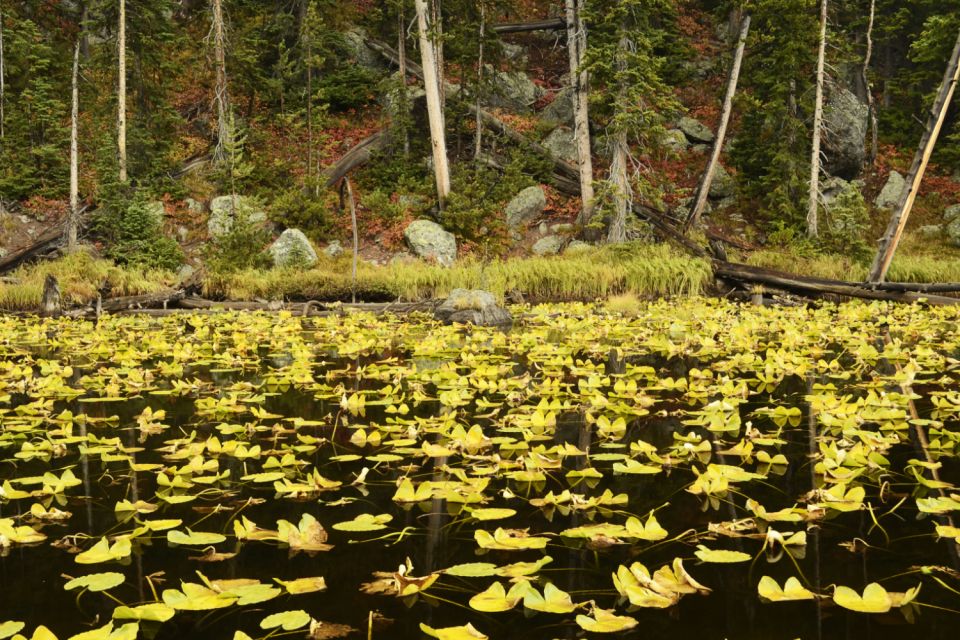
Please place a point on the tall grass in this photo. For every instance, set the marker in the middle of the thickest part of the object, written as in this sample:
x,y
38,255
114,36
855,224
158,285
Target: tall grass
x,y
905,268
80,276
641,269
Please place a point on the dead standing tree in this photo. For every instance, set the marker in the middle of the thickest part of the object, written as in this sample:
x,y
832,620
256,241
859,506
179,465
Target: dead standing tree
x,y
431,83
813,204
898,221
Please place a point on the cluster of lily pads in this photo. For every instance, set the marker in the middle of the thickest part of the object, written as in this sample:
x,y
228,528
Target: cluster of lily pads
x,y
633,458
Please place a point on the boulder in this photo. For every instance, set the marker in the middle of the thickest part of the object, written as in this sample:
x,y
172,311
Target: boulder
x,y
430,241
675,140
293,249
695,130
684,205
845,120
934,231
515,53
951,212
951,229
355,44
723,185
548,245
511,89
562,145
334,249
889,196
194,206
560,110
525,207
473,306
222,214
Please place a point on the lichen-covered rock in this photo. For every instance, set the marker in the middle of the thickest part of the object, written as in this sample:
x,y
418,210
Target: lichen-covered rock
x,y
845,120
951,229
889,196
675,140
548,245
525,207
194,206
156,209
355,43
951,212
723,185
560,110
561,144
511,89
334,249
222,214
577,246
695,130
430,241
473,306
293,249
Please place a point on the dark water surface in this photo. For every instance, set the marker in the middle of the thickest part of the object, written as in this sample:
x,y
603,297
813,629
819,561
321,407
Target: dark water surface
x,y
842,548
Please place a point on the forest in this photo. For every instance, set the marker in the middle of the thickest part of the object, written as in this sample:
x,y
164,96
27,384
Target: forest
x,y
782,130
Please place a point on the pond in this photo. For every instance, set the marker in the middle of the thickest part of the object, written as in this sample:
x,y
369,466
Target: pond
x,y
701,469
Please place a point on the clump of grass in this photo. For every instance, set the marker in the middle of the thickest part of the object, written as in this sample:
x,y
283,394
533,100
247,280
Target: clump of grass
x,y
80,276
905,267
625,304
637,268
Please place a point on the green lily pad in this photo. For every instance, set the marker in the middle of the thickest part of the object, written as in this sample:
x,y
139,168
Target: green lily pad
x,y
287,620
96,581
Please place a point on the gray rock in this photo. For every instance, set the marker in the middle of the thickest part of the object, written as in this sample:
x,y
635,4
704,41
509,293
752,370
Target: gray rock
x,y
723,185
194,206
577,246
952,232
512,89
185,273
515,53
562,227
561,144
293,249
889,196
830,190
548,245
392,101
473,306
413,202
845,120
430,241
402,258
684,205
726,203
675,140
334,249
695,130
525,207
933,231
543,229
951,212
183,234
3,252
560,110
222,215
702,149
356,47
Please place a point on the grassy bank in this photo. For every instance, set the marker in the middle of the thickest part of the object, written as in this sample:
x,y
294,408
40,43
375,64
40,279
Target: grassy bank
x,y
905,268
80,276
645,270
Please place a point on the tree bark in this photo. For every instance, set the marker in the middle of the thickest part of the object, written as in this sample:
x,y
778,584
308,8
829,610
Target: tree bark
x,y
703,188
73,222
619,178
122,91
580,83
814,196
898,221
551,24
871,105
478,139
221,98
432,86
402,52
50,305
3,86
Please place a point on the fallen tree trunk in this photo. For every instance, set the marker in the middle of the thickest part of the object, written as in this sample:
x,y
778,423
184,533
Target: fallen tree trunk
x,y
147,301
46,242
358,155
550,24
748,274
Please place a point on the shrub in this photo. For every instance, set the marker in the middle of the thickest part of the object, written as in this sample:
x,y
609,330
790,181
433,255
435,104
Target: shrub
x,y
298,209
134,235
241,247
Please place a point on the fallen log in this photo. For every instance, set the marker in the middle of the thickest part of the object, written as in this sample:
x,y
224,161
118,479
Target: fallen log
x,y
147,301
550,24
46,242
358,155
917,287
812,287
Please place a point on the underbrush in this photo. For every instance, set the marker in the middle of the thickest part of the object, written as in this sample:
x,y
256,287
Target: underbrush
x,y
80,276
640,269
905,268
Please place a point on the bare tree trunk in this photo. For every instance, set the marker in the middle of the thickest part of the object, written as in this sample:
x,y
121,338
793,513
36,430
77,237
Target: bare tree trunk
x,y
478,140
580,82
50,304
898,221
74,220
122,91
402,52
3,88
619,178
871,106
814,202
703,189
309,103
431,84
220,90
346,189
436,9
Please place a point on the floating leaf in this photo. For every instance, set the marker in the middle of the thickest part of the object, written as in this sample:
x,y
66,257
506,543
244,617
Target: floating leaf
x,y
194,538
792,590
466,632
287,620
720,556
472,570
875,599
303,585
153,612
365,522
96,582
605,621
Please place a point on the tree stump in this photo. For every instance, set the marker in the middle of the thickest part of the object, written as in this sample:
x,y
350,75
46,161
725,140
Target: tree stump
x,y
50,305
